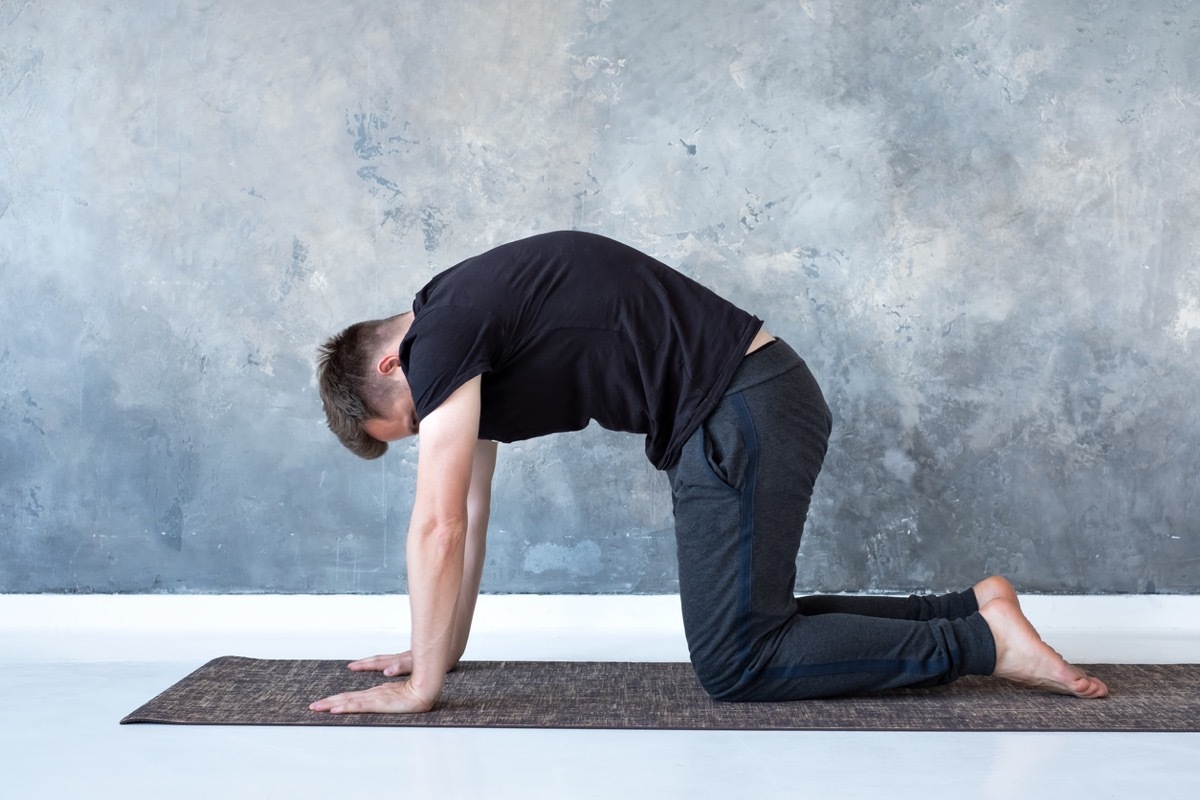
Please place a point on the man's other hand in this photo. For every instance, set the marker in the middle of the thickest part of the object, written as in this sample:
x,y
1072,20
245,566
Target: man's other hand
x,y
390,665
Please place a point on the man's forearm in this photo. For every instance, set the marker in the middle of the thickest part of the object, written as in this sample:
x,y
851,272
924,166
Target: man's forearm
x,y
472,575
479,502
435,579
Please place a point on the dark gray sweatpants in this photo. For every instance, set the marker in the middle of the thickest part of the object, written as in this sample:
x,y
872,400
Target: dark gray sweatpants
x,y
741,490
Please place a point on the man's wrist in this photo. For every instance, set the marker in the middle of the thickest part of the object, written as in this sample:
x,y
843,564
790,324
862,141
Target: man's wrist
x,y
426,684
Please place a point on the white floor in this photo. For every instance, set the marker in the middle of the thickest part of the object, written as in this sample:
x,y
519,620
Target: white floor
x,y
70,668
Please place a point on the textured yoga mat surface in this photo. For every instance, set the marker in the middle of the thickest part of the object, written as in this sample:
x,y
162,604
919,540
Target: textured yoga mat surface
x,y
551,694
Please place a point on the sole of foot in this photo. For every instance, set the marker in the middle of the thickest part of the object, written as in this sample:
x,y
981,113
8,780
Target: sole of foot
x,y
1022,656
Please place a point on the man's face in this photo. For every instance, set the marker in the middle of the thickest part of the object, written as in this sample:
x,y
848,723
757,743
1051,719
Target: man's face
x,y
400,424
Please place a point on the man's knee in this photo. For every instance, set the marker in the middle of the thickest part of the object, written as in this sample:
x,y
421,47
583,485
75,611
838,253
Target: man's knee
x,y
746,685
722,679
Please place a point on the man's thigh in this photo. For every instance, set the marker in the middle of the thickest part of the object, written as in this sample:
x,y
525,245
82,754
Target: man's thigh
x,y
742,490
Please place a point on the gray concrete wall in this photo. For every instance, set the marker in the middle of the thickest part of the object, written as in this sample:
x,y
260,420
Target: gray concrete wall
x,y
977,221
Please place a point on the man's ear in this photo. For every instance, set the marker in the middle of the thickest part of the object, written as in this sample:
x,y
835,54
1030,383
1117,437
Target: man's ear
x,y
388,364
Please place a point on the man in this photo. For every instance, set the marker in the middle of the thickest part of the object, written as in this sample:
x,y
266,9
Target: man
x,y
548,333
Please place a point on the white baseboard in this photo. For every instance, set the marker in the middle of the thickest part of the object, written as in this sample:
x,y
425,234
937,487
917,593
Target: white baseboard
x,y
1128,629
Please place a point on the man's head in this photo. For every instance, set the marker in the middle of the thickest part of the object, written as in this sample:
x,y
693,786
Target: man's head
x,y
364,391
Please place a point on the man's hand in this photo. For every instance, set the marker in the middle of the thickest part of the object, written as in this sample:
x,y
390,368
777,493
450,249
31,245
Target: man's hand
x,y
390,665
398,697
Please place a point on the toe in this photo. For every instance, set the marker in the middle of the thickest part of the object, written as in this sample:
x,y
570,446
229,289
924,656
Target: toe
x,y
1090,688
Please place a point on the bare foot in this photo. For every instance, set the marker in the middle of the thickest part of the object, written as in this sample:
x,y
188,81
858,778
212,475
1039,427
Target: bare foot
x,y
1023,657
989,589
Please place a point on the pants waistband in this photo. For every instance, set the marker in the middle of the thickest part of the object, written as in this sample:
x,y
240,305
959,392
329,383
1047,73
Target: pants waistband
x,y
770,361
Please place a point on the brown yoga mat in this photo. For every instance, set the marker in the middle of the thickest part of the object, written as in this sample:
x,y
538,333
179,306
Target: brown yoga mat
x,y
556,694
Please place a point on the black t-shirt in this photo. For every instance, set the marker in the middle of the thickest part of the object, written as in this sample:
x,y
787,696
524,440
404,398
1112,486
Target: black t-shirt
x,y
569,327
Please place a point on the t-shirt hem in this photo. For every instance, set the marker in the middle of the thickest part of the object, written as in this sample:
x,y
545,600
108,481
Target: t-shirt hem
x,y
703,409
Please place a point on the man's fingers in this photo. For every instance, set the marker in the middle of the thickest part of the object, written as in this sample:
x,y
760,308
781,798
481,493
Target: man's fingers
x,y
390,665
327,703
374,663
347,702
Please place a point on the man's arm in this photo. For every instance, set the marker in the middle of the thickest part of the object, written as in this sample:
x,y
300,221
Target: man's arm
x,y
437,537
479,500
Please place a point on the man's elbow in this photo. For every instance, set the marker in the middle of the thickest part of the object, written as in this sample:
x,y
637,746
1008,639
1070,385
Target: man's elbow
x,y
442,535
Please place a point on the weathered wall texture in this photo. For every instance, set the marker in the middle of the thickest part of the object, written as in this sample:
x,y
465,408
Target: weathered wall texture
x,y
977,221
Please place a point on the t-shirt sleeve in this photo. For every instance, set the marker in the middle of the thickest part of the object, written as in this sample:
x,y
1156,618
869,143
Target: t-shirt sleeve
x,y
445,348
